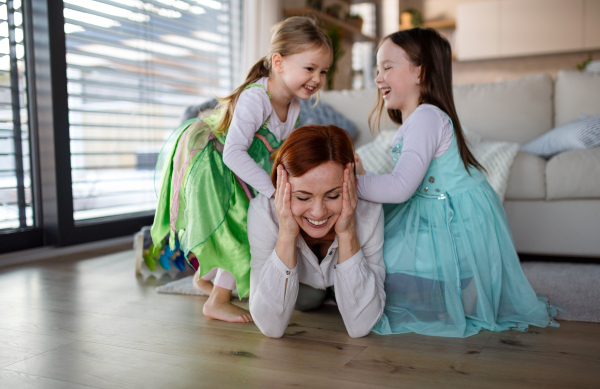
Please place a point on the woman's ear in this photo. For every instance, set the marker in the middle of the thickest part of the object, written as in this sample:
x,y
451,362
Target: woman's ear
x,y
277,63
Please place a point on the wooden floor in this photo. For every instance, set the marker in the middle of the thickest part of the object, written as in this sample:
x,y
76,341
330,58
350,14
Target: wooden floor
x,y
92,324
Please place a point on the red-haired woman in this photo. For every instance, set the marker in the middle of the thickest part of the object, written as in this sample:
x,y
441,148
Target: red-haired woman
x,y
315,235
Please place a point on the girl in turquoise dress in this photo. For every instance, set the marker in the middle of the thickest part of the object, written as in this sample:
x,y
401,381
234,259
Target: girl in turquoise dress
x,y
451,265
211,168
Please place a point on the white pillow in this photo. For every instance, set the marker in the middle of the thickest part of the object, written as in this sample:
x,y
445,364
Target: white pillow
x,y
496,157
578,134
376,156
472,137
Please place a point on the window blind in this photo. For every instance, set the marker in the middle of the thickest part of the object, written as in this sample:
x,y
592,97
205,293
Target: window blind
x,y
132,68
15,177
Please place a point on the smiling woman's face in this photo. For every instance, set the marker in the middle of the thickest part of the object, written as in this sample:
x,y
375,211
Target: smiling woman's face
x,y
317,198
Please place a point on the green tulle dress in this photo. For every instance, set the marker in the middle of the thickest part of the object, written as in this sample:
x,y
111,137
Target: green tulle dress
x,y
203,201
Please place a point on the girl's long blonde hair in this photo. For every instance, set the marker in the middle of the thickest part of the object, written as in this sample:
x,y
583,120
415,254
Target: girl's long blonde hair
x,y
291,36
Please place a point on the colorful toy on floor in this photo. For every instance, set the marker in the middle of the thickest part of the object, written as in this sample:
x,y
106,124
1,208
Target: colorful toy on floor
x,y
179,260
150,254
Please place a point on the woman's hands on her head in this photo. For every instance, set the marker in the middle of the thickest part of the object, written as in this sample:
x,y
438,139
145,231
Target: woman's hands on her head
x,y
283,199
288,226
346,221
345,227
360,170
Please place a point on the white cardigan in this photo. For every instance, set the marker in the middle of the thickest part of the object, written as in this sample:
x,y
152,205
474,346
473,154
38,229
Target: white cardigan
x,y
358,281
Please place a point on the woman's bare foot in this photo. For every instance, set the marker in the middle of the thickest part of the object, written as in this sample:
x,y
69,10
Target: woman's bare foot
x,y
219,307
201,285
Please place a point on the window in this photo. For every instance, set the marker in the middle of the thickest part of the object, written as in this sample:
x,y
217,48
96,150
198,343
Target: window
x,y
363,53
132,68
16,211
81,125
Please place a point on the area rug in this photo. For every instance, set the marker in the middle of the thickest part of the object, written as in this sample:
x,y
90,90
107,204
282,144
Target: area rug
x,y
574,286
183,286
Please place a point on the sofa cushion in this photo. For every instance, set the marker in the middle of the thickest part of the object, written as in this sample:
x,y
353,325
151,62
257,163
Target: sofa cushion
x,y
574,174
527,180
356,106
578,134
376,156
575,93
323,114
515,111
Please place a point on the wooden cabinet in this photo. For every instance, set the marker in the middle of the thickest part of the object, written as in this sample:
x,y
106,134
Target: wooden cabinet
x,y
591,34
478,30
540,26
512,28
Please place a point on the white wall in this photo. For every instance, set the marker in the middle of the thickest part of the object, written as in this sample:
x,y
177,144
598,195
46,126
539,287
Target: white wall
x,y
501,69
259,17
495,70
390,16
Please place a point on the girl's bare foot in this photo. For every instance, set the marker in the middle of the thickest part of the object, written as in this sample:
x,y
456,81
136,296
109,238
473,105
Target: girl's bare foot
x,y
201,285
219,307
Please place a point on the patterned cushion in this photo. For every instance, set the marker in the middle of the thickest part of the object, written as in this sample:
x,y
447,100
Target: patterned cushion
x,y
321,114
193,111
376,156
496,157
324,115
579,134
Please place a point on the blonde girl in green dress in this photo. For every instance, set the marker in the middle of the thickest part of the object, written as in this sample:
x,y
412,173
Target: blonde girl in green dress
x,y
212,167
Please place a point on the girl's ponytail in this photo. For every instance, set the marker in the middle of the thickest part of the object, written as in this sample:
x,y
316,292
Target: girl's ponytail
x,y
227,104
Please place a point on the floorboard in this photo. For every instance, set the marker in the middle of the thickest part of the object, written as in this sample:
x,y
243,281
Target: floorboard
x,y
91,323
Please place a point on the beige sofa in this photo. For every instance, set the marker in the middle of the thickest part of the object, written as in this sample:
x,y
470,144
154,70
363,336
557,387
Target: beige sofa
x,y
553,206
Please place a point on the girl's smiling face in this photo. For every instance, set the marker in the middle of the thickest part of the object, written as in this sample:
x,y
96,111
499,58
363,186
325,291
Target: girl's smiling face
x,y
304,73
317,198
397,78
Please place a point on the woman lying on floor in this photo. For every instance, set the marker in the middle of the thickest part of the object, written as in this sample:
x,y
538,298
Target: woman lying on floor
x,y
315,236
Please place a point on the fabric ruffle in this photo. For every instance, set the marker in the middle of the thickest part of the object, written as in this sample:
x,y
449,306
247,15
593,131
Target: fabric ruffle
x,y
451,264
452,269
203,202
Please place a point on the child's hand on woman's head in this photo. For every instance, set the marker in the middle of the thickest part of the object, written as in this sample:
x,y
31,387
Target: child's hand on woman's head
x,y
360,170
347,220
283,199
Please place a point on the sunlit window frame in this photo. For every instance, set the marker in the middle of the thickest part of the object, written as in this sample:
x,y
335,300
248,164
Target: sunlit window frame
x,y
30,236
45,46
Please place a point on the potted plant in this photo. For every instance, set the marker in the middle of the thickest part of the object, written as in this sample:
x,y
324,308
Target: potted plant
x,y
335,33
355,20
411,18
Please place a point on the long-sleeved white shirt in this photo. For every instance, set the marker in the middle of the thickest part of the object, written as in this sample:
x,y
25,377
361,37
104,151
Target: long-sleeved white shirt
x,y
426,135
358,281
251,112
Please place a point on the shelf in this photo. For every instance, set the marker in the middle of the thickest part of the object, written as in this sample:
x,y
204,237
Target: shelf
x,y
435,24
361,1
329,21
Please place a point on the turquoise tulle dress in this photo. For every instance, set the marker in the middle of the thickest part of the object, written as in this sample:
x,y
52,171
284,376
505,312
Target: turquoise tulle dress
x,y
452,267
